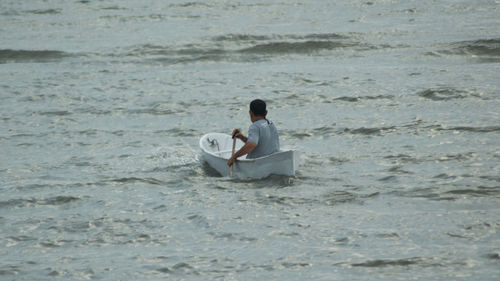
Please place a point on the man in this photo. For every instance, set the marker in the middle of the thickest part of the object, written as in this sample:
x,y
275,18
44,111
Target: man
x,y
262,137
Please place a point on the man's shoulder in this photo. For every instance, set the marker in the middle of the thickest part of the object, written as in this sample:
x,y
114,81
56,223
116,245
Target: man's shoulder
x,y
253,125
253,129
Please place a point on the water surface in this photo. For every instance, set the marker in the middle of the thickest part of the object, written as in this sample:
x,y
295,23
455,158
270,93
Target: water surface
x,y
392,104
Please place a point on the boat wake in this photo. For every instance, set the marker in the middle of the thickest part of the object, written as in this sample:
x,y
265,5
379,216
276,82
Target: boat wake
x,y
174,157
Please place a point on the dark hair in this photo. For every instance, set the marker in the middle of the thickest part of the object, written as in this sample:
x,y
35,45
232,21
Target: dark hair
x,y
258,107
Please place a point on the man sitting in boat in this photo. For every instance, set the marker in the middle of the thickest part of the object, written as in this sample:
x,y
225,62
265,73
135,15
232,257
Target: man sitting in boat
x,y
262,137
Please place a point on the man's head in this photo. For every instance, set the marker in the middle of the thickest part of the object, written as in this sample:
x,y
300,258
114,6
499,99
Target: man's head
x,y
258,108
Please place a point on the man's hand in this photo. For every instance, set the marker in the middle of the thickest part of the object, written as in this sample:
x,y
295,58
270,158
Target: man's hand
x,y
236,133
247,148
231,161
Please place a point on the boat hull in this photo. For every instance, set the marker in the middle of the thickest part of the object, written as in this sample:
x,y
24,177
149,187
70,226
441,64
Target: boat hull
x,y
216,150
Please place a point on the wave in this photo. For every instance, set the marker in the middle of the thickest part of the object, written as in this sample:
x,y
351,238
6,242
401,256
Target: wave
x,y
245,47
34,12
172,55
306,47
241,38
54,201
485,50
155,111
425,262
481,191
178,132
433,158
370,131
55,113
457,193
447,93
331,131
486,129
300,43
179,269
482,47
301,100
389,262
9,56
340,197
229,47
493,256
151,181
45,12
361,98
441,94
277,37
411,128
190,5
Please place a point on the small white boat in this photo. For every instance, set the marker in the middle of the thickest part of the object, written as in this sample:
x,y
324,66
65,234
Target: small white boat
x,y
217,149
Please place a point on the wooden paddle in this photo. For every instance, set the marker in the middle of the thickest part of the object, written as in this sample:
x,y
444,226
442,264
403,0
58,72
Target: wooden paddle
x,y
232,154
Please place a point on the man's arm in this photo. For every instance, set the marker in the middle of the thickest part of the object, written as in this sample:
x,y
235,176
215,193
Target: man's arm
x,y
247,148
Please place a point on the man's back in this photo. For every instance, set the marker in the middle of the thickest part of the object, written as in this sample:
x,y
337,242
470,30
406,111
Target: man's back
x,y
265,135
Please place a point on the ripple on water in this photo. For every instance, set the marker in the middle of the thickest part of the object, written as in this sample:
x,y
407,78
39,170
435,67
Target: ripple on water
x,y
53,201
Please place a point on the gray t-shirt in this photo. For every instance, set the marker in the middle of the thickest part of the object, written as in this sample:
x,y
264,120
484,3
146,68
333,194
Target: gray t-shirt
x,y
265,135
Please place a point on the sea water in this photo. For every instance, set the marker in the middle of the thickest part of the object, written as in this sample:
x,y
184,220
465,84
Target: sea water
x,y
394,106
